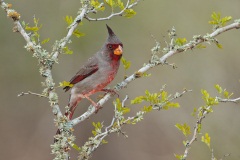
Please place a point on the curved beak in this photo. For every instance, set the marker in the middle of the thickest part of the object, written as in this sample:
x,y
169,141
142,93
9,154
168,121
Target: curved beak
x,y
118,51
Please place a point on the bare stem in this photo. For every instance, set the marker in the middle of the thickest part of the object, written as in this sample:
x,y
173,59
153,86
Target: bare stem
x,y
236,100
31,93
195,132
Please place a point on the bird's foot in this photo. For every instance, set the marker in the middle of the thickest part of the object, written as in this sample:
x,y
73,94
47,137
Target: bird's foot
x,y
97,106
110,91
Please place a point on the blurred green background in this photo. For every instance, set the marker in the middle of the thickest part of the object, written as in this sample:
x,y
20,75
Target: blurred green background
x,y
26,123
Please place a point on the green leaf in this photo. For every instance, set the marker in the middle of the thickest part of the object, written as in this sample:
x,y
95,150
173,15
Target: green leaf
x,y
164,95
226,94
180,157
120,4
97,128
67,50
199,127
35,20
65,84
34,29
109,2
97,125
69,20
184,128
132,1
137,100
146,74
218,21
225,20
218,88
215,18
129,13
206,139
121,108
97,5
194,112
171,105
104,141
208,100
45,41
23,24
77,33
74,146
180,41
147,109
219,45
125,63
201,46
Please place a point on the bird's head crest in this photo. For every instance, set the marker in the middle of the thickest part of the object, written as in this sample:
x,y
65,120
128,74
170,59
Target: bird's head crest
x,y
112,38
110,32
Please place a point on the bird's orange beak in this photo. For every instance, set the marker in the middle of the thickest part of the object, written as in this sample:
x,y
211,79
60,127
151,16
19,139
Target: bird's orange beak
x,y
118,51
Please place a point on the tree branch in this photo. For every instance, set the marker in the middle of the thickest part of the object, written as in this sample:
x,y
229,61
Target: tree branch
x,y
31,93
179,49
119,120
236,100
128,6
202,112
71,28
195,132
39,53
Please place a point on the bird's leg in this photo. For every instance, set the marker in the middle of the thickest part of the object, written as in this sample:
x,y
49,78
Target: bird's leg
x,y
110,91
97,106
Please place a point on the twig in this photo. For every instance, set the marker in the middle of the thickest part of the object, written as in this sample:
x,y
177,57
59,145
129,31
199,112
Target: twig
x,y
177,95
195,132
31,93
128,6
236,100
213,157
224,156
124,100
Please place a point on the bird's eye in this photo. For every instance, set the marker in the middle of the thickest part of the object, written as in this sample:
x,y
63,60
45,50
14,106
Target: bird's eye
x,y
110,46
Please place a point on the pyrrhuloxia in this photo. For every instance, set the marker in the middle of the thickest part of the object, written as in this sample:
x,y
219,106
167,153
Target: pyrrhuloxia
x,y
96,73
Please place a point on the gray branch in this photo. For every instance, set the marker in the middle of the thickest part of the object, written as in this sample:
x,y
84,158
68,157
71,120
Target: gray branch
x,y
236,100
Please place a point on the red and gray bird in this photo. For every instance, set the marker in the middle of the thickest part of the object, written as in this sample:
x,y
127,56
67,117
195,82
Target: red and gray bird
x,y
96,73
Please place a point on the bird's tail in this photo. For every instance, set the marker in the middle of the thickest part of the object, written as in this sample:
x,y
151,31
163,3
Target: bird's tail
x,y
68,114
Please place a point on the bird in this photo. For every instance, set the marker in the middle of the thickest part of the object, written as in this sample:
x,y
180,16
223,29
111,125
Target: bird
x,y
96,73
